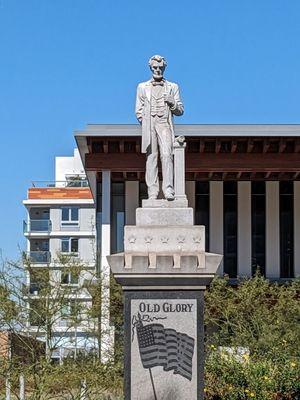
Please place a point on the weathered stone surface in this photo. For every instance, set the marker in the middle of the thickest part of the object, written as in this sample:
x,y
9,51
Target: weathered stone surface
x,y
176,318
161,203
164,265
157,101
164,216
164,239
179,146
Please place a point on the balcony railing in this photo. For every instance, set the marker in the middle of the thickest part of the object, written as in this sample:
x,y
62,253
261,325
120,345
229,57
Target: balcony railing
x,y
69,183
37,225
39,257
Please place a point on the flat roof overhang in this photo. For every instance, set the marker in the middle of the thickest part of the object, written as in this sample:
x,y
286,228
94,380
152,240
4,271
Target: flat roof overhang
x,y
214,152
194,130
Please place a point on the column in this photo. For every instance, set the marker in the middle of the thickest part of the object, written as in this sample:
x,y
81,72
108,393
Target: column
x,y
216,219
107,333
272,230
244,228
179,167
131,201
190,191
297,228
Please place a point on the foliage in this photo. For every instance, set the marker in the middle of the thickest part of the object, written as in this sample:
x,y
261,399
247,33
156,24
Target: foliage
x,y
252,340
228,378
69,380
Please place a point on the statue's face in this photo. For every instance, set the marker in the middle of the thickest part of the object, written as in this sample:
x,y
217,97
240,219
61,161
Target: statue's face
x,y
157,69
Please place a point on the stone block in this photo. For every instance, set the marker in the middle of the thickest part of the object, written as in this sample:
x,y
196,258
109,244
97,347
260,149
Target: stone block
x,y
164,216
164,239
162,203
175,373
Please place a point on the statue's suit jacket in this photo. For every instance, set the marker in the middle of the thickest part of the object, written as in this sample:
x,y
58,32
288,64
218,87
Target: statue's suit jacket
x,y
143,109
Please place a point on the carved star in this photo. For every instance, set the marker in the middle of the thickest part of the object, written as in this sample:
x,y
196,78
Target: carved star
x,y
164,239
197,239
180,239
131,239
148,239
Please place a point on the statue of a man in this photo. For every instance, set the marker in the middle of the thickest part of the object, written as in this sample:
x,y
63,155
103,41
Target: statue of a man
x,y
157,101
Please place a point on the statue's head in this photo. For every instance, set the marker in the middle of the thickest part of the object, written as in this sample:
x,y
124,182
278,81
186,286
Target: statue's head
x,y
157,65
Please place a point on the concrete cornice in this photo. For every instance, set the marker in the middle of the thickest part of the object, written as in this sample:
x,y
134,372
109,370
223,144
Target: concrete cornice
x,y
192,130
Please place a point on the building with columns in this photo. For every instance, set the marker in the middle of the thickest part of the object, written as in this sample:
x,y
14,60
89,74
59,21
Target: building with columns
x,y
243,182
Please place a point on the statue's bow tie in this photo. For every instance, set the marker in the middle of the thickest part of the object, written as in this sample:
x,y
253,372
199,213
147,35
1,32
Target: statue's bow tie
x,y
157,83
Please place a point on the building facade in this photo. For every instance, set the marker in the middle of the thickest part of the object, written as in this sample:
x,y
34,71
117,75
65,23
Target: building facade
x,y
243,182
61,252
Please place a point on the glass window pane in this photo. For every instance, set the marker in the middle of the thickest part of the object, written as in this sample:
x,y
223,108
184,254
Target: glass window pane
x,y
120,231
117,220
74,245
65,278
258,229
143,192
230,228
74,214
202,187
65,245
65,214
65,310
286,187
74,278
258,187
202,208
286,230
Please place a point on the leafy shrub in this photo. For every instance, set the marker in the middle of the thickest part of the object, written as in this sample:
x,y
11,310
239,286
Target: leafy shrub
x,y
263,318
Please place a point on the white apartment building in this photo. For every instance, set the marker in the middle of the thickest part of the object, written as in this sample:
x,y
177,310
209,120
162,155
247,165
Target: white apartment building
x,y
61,249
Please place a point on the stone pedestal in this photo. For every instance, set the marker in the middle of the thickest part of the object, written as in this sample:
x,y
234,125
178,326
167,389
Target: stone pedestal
x,y
164,271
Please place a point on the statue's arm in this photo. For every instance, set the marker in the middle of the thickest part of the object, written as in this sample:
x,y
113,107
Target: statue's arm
x,y
139,104
177,108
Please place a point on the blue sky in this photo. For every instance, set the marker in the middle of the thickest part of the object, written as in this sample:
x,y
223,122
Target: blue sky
x,y
65,63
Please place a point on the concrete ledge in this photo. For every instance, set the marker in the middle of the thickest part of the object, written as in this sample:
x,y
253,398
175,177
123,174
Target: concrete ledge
x,y
189,264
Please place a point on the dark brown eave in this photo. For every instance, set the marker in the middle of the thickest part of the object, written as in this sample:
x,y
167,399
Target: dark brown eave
x,y
273,154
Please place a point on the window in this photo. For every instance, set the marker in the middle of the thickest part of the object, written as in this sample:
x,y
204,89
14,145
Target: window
x,y
69,245
118,216
39,280
70,278
143,192
258,229
230,229
202,208
37,312
69,309
286,218
69,216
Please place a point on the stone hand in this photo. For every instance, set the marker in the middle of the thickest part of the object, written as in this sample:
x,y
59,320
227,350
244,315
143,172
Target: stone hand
x,y
169,99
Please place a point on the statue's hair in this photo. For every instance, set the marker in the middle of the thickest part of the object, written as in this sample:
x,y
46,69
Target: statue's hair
x,y
157,58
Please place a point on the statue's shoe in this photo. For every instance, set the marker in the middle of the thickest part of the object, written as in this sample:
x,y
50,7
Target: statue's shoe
x,y
169,196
